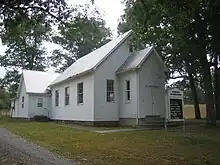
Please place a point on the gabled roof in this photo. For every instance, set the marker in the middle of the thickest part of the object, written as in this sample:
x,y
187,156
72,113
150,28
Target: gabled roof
x,y
135,60
38,81
92,60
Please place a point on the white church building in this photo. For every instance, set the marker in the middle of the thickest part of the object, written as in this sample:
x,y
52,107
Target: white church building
x,y
109,85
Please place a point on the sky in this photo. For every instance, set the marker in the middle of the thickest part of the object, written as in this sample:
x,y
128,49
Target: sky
x,y
112,10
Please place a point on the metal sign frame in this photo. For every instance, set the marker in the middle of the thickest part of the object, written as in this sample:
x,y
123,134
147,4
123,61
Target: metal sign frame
x,y
174,93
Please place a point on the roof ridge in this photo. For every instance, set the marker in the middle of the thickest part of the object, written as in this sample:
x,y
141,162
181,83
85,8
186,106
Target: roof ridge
x,y
123,39
25,70
125,62
133,61
92,60
37,81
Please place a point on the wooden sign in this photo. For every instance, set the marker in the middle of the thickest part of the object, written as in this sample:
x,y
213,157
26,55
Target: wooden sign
x,y
176,109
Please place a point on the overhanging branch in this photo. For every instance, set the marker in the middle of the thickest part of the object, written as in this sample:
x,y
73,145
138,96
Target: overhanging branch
x,y
39,9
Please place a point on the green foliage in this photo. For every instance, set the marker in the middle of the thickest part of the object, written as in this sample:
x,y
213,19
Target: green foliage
x,y
54,10
184,85
78,37
24,25
4,99
185,32
24,37
11,82
153,24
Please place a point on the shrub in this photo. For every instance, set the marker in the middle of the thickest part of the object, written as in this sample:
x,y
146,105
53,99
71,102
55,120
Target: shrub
x,y
41,118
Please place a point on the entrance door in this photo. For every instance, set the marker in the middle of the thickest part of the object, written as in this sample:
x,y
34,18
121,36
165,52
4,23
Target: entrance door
x,y
152,91
152,102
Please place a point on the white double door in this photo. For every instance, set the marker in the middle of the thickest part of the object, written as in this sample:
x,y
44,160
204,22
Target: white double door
x,y
153,96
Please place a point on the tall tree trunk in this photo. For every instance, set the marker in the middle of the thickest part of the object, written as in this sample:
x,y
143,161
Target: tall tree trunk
x,y
193,92
210,109
215,26
218,110
216,88
200,28
195,97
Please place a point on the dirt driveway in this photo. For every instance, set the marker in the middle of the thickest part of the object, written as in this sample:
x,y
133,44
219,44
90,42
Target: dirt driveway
x,y
18,151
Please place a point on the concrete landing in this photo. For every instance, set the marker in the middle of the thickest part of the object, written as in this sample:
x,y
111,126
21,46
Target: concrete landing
x,y
122,130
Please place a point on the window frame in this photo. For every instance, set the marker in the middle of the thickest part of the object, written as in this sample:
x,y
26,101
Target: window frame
x,y
22,102
127,91
80,97
38,103
110,90
67,96
57,98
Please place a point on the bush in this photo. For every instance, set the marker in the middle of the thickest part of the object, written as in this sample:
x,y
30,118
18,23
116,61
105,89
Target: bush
x,y
2,105
41,118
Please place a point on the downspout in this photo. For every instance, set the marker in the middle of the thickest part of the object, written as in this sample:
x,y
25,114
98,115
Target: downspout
x,y
118,97
28,97
137,116
94,98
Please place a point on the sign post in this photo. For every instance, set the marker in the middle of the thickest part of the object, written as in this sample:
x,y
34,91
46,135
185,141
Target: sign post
x,y
174,99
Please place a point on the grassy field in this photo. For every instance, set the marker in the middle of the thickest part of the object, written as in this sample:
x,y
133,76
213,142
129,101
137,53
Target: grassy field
x,y
189,112
198,146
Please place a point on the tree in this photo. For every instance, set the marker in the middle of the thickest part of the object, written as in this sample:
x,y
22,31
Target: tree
x,y
4,99
54,10
184,85
157,30
78,37
184,32
11,82
24,40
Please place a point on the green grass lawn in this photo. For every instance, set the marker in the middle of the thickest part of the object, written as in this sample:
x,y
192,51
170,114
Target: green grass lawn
x,y
94,128
198,146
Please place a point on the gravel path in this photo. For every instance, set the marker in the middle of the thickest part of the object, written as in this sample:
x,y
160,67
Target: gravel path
x,y
18,151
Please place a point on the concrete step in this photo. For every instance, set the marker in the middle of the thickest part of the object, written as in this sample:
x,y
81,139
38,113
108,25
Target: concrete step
x,y
151,123
154,120
152,116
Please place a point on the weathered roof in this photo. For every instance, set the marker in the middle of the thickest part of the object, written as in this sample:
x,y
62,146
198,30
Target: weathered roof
x,y
135,60
38,81
92,60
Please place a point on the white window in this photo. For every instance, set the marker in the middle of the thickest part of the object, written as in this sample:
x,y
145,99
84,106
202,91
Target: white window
x,y
67,96
22,102
127,90
80,93
110,91
39,102
57,98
